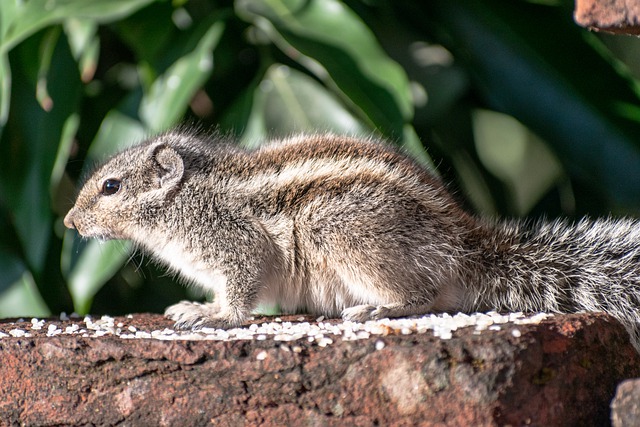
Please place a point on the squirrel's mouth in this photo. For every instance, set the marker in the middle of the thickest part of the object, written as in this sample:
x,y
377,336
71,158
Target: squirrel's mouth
x,y
88,230
98,233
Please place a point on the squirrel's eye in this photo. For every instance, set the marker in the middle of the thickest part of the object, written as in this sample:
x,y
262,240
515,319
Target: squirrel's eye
x,y
111,186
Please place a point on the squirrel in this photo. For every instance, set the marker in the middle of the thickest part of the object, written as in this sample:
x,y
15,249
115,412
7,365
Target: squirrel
x,y
343,226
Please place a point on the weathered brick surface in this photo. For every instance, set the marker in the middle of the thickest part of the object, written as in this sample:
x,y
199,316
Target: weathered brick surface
x,y
563,371
616,16
625,407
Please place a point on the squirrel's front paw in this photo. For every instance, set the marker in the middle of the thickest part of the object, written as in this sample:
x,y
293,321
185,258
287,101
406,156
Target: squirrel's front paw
x,y
358,313
362,313
188,315
194,315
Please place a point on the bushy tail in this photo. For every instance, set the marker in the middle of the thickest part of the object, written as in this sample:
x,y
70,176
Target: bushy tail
x,y
558,267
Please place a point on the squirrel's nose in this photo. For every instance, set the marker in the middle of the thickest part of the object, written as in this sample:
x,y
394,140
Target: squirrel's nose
x,y
68,220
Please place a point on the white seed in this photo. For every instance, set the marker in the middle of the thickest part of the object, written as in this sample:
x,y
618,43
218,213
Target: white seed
x,y
37,324
72,329
320,332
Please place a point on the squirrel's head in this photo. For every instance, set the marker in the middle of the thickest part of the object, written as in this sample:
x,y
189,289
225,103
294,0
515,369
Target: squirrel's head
x,y
127,192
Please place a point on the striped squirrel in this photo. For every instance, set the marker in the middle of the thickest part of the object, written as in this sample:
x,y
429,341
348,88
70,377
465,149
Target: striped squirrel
x,y
335,225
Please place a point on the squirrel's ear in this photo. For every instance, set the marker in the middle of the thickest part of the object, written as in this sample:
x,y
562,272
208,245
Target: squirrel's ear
x,y
168,165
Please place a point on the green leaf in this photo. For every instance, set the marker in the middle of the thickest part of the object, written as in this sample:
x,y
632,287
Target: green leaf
x,y
288,102
117,131
5,89
8,12
22,299
67,136
332,42
529,75
29,148
236,119
20,19
155,24
411,142
18,294
11,267
516,156
170,94
97,263
47,47
85,45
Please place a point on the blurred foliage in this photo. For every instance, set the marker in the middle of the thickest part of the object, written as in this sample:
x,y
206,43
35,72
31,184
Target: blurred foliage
x,y
524,112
